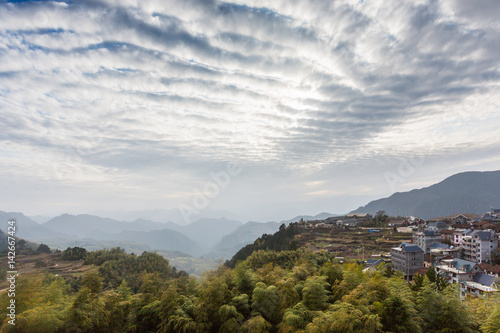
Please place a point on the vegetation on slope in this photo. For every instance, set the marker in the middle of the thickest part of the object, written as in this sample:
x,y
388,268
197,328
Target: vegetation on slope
x,y
282,240
270,291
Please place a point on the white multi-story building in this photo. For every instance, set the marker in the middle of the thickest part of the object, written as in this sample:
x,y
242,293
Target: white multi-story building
x,y
478,245
458,235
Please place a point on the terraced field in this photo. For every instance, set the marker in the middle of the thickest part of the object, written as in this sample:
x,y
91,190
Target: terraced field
x,y
351,243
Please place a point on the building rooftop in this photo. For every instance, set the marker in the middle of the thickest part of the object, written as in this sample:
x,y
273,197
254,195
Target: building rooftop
x,y
490,268
483,235
438,224
485,279
408,247
374,262
480,286
438,245
460,265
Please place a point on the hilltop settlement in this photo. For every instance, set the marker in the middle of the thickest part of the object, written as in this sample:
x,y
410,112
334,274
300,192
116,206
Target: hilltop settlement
x,y
461,248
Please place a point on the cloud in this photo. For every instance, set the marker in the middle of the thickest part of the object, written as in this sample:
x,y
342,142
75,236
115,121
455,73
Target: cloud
x,y
291,90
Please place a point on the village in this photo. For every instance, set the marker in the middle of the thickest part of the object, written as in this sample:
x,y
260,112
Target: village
x,y
462,248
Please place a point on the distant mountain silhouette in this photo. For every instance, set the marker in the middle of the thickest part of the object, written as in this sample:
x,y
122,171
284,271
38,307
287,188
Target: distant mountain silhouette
x,y
207,232
91,226
467,192
250,231
27,228
4,244
213,237
165,239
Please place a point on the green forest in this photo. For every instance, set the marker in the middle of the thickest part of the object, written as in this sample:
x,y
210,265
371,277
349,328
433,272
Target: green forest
x,y
269,291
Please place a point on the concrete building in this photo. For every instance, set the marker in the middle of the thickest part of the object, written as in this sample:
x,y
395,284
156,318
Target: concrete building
x,y
424,239
457,270
459,234
468,274
439,250
437,226
407,258
478,245
447,235
480,286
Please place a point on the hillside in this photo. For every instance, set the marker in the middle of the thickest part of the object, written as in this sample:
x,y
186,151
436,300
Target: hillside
x,y
195,238
250,231
27,228
243,235
165,239
207,232
468,192
4,242
91,226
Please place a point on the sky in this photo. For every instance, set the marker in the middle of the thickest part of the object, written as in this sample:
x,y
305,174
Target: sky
x,y
256,110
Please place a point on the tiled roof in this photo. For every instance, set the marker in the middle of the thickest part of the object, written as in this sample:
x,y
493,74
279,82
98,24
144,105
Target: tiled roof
x,y
490,268
438,245
408,247
460,226
374,262
461,264
485,279
483,235
438,224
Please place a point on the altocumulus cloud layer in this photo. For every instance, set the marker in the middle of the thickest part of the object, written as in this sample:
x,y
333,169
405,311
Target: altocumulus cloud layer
x,y
131,104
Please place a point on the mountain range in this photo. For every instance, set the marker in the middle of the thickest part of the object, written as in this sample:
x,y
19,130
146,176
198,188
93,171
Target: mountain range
x,y
467,192
215,238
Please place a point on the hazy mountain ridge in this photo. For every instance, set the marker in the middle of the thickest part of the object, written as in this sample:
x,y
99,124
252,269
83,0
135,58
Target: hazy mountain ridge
x,y
4,244
250,231
27,228
165,239
91,226
243,235
214,237
467,192
207,232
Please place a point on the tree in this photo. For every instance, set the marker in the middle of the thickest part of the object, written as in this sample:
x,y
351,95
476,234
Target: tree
x,y
442,311
41,319
492,323
92,281
230,318
42,248
242,305
344,317
244,278
256,324
74,253
86,314
21,244
495,257
399,315
296,318
315,293
148,317
332,272
265,302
